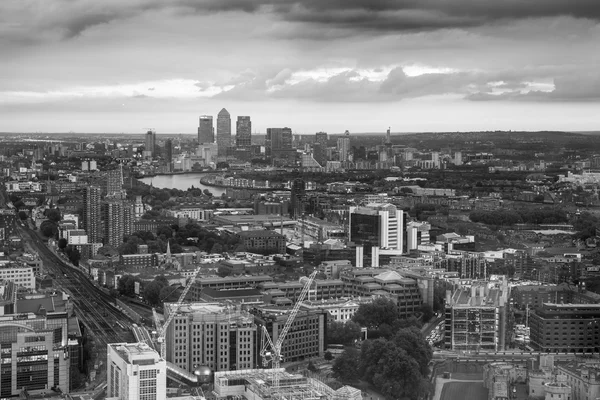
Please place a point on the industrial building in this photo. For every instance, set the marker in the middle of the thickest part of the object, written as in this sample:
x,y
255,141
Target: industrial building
x,y
565,328
135,372
476,317
219,336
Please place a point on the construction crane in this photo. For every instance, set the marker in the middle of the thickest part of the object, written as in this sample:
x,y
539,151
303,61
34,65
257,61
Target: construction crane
x,y
271,352
161,329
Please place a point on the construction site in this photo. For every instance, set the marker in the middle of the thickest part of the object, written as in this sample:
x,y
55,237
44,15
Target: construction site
x,y
259,384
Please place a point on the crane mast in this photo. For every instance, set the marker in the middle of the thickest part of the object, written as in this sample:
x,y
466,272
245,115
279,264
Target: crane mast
x,y
272,351
161,329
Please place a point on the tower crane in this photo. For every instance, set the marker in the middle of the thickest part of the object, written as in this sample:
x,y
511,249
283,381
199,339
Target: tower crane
x,y
161,329
272,351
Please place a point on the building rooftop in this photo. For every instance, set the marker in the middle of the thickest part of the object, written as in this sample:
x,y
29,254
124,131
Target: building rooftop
x,y
260,233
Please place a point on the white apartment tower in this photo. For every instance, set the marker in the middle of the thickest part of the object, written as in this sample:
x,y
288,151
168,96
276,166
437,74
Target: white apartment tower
x,y
135,372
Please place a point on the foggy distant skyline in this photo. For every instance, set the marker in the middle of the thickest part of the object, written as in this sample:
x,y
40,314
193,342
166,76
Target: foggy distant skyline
x,y
363,65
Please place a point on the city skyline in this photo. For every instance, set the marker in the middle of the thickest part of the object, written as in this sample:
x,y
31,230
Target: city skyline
x,y
112,67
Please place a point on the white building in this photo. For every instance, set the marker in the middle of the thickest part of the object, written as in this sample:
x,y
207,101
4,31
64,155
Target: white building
x,y
21,276
76,236
343,147
135,372
377,224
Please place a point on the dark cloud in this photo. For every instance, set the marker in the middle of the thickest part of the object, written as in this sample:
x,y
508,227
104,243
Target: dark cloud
x,y
73,18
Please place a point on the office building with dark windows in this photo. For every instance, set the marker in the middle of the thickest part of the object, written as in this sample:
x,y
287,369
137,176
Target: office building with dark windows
x,y
243,132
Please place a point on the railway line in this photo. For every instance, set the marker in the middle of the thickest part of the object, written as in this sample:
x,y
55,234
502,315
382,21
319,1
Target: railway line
x,y
93,306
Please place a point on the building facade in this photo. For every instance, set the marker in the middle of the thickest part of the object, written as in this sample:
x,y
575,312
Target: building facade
x,y
206,132
565,328
91,213
223,132
150,144
219,336
135,372
263,242
476,317
243,131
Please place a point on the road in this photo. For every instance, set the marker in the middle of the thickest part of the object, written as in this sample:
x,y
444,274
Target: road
x,y
94,308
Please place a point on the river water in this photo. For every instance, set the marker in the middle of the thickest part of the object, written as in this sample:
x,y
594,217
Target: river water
x,y
182,182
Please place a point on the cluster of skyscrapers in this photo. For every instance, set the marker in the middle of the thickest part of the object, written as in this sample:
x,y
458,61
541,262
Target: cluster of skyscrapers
x,y
206,131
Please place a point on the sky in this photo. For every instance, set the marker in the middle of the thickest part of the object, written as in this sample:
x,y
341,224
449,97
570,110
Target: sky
x,y
316,65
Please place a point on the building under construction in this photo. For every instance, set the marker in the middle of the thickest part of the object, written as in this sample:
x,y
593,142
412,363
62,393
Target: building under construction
x,y
257,384
476,317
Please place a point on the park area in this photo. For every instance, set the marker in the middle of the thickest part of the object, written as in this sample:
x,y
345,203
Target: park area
x,y
463,391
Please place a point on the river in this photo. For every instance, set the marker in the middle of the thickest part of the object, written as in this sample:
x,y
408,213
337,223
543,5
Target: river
x,y
182,182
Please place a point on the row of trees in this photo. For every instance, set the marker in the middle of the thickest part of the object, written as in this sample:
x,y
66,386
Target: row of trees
x,y
154,293
512,217
190,234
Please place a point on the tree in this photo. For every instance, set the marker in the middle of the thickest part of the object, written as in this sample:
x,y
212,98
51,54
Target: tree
x,y
427,312
347,365
53,214
339,332
152,293
223,271
207,193
73,254
126,285
379,311
48,229
217,248
328,356
22,215
412,341
62,243
164,230
311,367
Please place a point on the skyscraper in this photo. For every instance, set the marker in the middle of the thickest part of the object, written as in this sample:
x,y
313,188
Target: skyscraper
x,y
223,132
278,139
243,132
151,142
91,214
320,148
206,132
169,154
343,146
135,372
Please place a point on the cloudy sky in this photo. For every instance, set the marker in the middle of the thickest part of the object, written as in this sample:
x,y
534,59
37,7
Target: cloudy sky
x,y
331,65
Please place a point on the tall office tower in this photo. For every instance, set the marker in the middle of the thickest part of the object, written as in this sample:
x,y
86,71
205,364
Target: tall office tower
x,y
135,372
91,214
35,349
114,181
298,194
151,143
169,151
377,225
243,131
278,139
320,148
343,146
206,132
211,334
223,132
388,138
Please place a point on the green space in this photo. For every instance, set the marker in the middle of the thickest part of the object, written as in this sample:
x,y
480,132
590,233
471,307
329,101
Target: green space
x,y
464,391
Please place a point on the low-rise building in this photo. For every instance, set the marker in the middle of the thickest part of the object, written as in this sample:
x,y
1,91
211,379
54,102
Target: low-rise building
x,y
263,242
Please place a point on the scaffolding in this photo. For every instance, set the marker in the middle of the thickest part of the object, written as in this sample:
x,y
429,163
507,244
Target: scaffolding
x,y
291,387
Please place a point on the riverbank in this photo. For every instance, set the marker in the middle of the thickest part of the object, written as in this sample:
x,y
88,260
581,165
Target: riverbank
x,y
206,182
